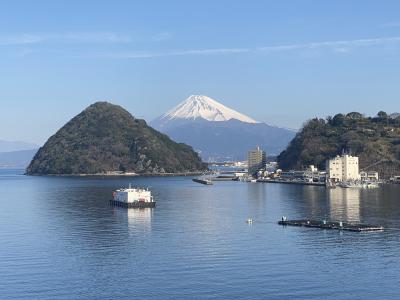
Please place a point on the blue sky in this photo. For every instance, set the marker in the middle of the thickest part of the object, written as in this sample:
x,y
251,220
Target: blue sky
x,y
281,62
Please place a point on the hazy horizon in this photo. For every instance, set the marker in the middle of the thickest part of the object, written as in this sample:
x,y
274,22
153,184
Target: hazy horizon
x,y
279,63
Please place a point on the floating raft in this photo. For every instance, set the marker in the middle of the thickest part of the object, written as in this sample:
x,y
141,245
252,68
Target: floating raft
x,y
331,225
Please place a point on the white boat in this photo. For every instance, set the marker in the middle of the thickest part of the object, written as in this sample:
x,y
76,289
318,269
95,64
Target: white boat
x,y
372,185
358,184
133,198
348,184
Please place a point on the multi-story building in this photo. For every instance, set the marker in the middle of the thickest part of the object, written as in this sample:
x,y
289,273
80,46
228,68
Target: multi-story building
x,y
256,160
343,168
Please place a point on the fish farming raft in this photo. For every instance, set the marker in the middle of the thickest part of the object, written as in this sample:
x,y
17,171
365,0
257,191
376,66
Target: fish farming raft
x,y
339,225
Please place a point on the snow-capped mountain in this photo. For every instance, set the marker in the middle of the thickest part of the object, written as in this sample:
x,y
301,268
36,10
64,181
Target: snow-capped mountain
x,y
199,106
220,133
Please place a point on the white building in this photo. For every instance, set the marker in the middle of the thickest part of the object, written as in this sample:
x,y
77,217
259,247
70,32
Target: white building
x,y
369,176
256,160
343,168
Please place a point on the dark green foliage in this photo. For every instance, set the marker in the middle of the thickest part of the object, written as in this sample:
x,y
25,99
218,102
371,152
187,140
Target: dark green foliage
x,y
372,139
105,137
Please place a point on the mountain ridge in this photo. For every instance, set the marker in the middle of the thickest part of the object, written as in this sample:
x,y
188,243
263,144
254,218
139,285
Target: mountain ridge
x,y
19,159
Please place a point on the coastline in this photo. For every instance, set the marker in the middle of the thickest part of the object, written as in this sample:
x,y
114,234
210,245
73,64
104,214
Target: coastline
x,y
193,173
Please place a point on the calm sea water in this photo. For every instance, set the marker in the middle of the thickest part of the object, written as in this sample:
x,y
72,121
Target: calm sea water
x,y
61,240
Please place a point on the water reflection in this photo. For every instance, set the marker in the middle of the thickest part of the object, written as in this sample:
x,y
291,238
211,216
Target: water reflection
x,y
344,204
315,200
351,204
136,219
256,194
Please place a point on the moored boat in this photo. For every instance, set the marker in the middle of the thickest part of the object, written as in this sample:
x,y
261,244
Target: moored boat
x,y
203,181
358,184
372,185
133,198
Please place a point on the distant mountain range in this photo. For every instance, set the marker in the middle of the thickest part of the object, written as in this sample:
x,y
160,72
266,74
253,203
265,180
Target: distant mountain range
x,y
16,154
16,159
9,146
218,132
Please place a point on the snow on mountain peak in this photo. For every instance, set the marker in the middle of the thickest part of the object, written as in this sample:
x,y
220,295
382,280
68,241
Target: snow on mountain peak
x,y
199,106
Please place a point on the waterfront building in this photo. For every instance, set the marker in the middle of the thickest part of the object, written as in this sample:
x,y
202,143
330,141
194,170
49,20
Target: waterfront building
x,y
369,176
395,179
343,168
311,174
256,160
240,174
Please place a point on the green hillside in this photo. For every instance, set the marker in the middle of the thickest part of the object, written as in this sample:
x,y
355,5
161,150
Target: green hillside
x,y
105,137
375,140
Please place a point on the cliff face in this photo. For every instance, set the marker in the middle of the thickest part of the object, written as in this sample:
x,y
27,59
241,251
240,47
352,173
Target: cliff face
x,y
105,137
375,140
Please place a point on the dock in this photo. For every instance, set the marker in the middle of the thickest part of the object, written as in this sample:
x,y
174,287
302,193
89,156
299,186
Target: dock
x,y
339,225
322,184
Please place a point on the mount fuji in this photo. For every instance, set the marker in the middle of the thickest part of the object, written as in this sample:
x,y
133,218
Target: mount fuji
x,y
220,133
197,106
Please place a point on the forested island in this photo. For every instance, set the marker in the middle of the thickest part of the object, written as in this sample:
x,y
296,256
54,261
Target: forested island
x,y
106,138
376,140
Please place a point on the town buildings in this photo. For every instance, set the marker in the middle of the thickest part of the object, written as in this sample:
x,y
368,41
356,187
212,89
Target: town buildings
x,y
256,160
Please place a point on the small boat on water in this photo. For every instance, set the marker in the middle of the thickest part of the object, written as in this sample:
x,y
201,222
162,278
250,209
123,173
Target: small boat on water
x,y
372,185
358,184
330,184
204,181
133,198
